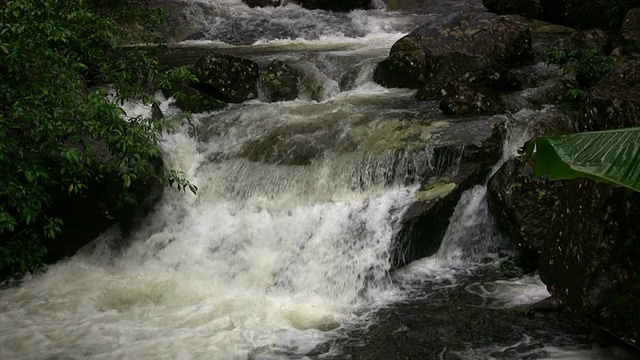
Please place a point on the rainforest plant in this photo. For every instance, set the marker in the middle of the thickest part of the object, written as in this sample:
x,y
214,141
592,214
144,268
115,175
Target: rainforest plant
x,y
66,67
611,156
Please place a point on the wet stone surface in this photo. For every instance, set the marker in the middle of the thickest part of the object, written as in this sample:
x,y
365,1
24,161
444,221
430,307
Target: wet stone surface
x,y
455,322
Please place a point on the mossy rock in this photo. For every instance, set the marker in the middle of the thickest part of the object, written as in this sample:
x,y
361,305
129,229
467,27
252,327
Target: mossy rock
x,y
279,82
227,78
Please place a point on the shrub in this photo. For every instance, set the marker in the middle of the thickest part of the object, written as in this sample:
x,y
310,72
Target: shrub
x,y
64,72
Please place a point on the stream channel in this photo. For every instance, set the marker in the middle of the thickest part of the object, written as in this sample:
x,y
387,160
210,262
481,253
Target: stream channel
x,y
282,258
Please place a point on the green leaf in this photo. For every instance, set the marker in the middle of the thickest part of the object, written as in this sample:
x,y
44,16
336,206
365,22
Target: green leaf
x,y
612,156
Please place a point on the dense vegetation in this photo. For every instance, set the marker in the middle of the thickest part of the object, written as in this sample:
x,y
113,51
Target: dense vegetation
x,y
64,72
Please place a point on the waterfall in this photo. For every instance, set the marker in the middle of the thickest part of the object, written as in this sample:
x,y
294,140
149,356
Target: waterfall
x,y
288,241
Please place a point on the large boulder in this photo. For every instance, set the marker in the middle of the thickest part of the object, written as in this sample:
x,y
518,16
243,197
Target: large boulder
x,y
615,102
520,204
454,69
227,78
584,238
403,69
418,58
589,260
631,27
495,37
471,100
279,82
335,5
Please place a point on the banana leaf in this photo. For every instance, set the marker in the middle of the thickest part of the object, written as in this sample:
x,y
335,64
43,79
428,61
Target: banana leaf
x,y
611,156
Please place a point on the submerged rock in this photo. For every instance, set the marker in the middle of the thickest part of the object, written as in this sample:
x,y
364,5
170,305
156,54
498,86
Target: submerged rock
x,y
279,82
227,78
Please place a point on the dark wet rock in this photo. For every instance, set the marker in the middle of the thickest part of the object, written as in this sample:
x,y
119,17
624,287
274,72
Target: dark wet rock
x,y
156,112
426,221
262,3
456,322
100,206
631,27
193,100
227,78
177,26
454,69
621,54
597,13
471,100
586,234
404,69
589,260
495,37
335,5
279,82
614,102
291,144
532,8
520,204
548,10
595,39
445,50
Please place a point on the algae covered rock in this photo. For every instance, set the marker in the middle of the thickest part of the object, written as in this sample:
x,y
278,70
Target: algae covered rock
x,y
227,78
279,82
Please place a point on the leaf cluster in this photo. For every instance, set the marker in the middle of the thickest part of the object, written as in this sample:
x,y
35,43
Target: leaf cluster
x,y
66,67
610,156
589,66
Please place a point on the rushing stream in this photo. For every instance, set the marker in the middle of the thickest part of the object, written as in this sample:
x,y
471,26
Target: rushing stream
x,y
271,260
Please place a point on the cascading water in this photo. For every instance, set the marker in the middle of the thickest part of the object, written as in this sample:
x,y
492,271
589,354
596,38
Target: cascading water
x,y
281,249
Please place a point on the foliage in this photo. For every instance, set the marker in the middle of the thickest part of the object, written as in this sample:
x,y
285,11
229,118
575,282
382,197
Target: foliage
x,y
61,126
616,10
589,66
611,156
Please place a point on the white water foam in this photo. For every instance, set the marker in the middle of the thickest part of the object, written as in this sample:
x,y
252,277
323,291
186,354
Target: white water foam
x,y
212,278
